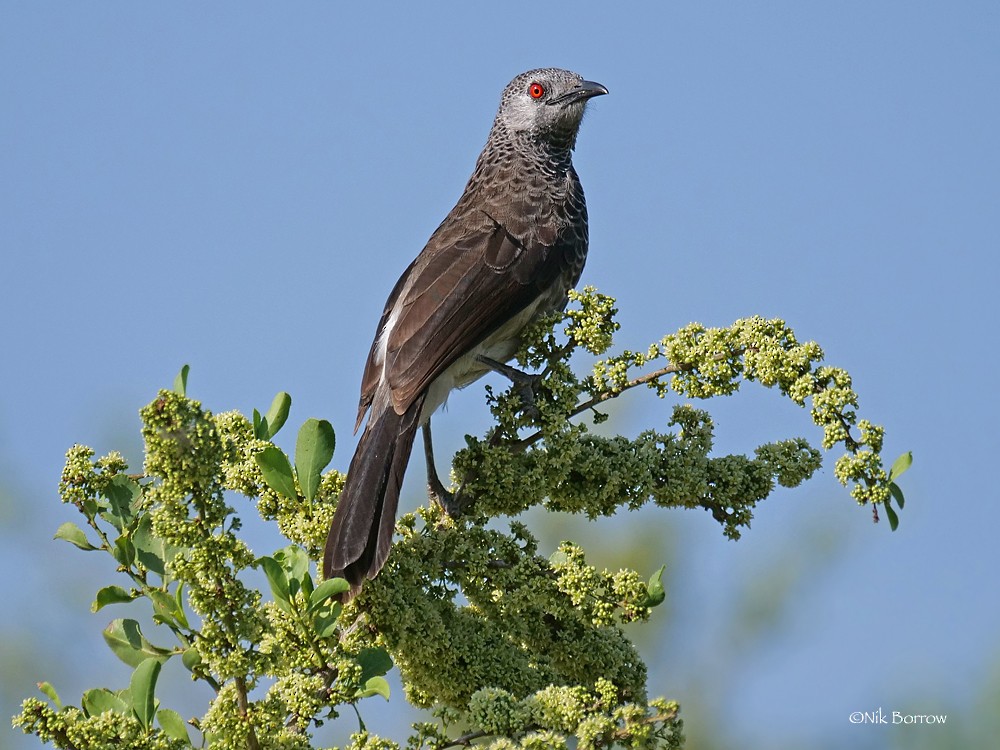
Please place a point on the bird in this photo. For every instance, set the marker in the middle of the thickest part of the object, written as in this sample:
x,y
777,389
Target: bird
x,y
509,251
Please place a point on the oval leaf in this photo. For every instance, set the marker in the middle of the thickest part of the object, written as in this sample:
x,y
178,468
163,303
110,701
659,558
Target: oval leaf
x,y
329,587
307,585
277,414
900,465
278,581
295,562
100,700
51,693
259,426
123,495
122,637
151,551
277,471
181,381
374,686
164,607
172,724
313,451
124,551
897,494
129,644
891,515
110,595
74,535
179,611
142,688
325,619
655,593
374,662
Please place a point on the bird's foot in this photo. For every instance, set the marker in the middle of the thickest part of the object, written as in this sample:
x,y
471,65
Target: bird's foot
x,y
525,384
450,502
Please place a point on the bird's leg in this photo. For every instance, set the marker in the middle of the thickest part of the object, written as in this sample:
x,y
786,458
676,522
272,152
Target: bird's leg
x,y
524,383
448,501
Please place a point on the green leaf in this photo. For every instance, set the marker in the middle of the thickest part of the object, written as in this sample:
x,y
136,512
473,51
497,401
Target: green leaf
x,y
655,593
164,608
277,414
329,587
123,494
325,620
90,507
277,471
891,515
897,494
900,465
374,686
326,611
151,551
374,662
142,688
111,595
179,610
295,562
124,551
259,426
313,451
307,585
74,535
100,700
278,581
50,693
181,381
129,644
172,724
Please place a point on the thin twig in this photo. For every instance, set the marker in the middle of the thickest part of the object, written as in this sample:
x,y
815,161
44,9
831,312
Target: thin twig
x,y
466,739
492,564
600,398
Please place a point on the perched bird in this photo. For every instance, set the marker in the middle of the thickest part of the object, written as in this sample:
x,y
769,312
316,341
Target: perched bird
x,y
510,250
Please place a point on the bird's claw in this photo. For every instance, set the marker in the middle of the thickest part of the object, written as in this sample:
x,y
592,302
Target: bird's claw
x,y
450,502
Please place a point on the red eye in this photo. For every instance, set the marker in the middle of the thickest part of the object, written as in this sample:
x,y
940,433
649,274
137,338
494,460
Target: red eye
x,y
535,91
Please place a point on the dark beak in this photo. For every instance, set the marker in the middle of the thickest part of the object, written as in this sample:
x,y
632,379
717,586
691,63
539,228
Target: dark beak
x,y
586,90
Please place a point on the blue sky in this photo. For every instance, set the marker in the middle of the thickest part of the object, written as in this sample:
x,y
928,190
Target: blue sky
x,y
237,186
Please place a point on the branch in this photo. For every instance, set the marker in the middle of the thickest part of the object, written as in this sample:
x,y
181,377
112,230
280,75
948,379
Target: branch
x,y
600,398
241,696
466,739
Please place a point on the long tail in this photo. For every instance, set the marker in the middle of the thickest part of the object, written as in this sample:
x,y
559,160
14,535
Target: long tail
x,y
363,524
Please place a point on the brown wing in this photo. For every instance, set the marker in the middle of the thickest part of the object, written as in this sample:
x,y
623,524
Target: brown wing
x,y
460,291
373,368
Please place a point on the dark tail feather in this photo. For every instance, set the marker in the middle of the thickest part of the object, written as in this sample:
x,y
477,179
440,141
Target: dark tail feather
x,y
361,533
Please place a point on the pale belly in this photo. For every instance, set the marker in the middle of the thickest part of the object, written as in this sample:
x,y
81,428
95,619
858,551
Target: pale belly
x,y
499,346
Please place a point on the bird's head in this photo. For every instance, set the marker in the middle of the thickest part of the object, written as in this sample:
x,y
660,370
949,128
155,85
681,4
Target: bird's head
x,y
546,104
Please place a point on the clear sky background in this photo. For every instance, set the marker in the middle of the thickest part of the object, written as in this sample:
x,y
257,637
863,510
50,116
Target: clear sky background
x,y
238,186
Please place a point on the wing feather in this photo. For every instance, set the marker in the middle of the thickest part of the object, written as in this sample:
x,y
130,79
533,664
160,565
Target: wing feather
x,y
458,296
373,365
